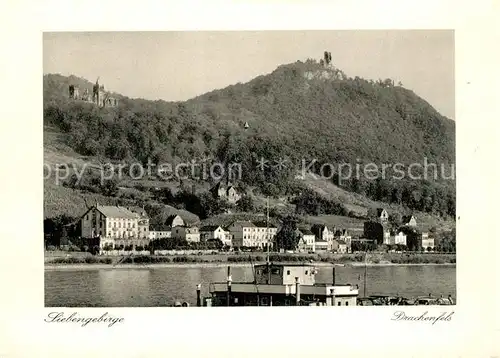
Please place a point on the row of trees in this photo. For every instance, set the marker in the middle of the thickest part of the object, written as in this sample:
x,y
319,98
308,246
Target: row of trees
x,y
59,230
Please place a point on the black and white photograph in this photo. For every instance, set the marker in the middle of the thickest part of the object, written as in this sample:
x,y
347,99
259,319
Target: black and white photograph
x,y
249,168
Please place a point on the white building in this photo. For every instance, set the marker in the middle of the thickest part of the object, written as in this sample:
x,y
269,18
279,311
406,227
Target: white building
x,y
174,220
306,241
160,232
323,233
396,238
343,235
321,245
427,241
213,232
188,233
250,234
114,225
142,222
265,234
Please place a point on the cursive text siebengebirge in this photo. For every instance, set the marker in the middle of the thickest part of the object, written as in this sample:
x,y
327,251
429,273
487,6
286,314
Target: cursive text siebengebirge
x,y
60,317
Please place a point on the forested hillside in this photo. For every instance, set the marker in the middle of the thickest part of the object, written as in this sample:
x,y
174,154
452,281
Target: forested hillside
x,y
300,111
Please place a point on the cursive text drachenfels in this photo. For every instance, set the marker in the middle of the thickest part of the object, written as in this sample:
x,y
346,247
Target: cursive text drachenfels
x,y
402,316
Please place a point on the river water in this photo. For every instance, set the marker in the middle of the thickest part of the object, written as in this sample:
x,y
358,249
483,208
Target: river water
x,y
162,286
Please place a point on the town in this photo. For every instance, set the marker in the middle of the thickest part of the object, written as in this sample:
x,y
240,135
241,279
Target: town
x,y
120,230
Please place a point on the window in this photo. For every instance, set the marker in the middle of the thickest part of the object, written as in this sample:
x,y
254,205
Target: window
x,y
347,303
288,272
338,304
306,272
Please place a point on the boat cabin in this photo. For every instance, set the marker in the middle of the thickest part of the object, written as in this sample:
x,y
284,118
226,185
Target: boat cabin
x,y
274,274
282,285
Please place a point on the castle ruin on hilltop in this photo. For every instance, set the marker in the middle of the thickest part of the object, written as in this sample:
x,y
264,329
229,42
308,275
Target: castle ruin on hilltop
x,y
99,96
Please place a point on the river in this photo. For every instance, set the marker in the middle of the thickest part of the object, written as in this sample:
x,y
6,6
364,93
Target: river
x,y
162,286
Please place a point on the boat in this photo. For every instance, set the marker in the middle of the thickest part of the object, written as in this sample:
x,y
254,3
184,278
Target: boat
x,y
281,284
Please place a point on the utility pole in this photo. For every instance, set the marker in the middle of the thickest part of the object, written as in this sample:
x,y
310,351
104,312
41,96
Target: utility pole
x,y
364,283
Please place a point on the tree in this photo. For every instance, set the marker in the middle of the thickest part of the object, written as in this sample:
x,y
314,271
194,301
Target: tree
x,y
109,187
210,206
57,231
288,238
246,203
372,213
165,195
395,219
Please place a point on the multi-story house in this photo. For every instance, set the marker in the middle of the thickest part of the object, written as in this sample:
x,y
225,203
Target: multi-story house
x,y
241,232
321,245
142,222
343,235
112,225
427,241
188,233
322,232
229,192
213,232
252,234
306,240
396,237
340,246
264,234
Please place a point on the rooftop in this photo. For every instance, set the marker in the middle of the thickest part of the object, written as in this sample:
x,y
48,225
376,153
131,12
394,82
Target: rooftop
x,y
305,231
116,212
160,228
209,228
171,218
263,224
243,223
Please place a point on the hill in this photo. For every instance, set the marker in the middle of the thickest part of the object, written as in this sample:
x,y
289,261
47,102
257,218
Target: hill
x,y
300,111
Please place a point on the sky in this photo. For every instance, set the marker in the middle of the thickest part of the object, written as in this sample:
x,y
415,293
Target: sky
x,y
177,66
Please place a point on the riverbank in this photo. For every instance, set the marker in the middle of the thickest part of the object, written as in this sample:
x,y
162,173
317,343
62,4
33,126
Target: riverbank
x,y
373,259
69,267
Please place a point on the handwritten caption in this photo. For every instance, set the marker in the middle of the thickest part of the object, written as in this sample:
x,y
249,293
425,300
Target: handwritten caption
x,y
424,317
60,317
